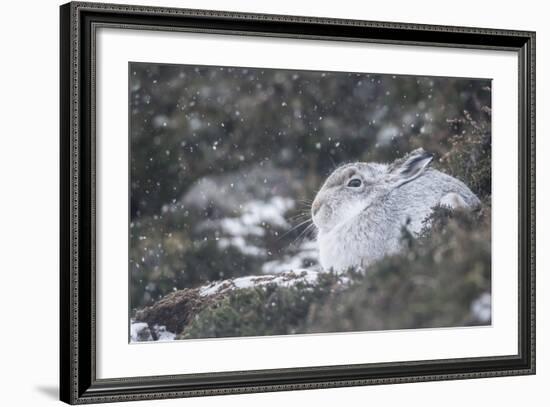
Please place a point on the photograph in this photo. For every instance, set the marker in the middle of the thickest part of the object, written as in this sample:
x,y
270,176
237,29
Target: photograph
x,y
266,201
255,201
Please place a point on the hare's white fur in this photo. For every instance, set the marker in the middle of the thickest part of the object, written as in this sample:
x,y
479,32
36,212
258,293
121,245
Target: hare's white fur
x,y
360,225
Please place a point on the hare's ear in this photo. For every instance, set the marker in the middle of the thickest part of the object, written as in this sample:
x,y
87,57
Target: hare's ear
x,y
409,167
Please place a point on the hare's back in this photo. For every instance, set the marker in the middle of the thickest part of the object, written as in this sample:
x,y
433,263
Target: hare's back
x,y
415,200
434,185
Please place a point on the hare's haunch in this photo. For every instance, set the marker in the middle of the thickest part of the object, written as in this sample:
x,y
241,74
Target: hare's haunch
x,y
362,207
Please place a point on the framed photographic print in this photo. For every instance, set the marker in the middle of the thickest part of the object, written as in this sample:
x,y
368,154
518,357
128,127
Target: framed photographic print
x,y
258,203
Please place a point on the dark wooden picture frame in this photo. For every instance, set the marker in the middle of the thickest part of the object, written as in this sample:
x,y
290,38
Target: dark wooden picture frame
x,y
78,381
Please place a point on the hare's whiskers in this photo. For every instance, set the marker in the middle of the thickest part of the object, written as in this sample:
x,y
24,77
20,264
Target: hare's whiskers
x,y
303,235
334,165
294,228
299,216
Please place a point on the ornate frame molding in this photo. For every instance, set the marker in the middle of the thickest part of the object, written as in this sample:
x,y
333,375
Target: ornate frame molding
x,y
78,380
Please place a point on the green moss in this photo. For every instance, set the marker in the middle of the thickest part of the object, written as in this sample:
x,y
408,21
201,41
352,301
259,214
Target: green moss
x,y
265,310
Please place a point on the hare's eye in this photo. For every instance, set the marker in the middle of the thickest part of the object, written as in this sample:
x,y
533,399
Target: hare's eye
x,y
354,183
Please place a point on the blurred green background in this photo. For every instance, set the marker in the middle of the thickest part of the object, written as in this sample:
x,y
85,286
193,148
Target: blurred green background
x,y
225,161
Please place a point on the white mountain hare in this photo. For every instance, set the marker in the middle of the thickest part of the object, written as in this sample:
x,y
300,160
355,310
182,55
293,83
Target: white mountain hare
x,y
361,208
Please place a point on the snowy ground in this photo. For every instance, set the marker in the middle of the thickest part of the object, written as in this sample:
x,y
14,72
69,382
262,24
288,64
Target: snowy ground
x,y
247,232
250,226
143,332
307,254
284,279
481,308
252,222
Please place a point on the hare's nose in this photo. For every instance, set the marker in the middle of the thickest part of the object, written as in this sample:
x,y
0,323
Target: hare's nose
x,y
315,207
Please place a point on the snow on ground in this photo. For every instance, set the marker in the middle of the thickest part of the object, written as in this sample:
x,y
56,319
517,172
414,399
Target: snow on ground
x,y
163,334
242,245
481,308
255,215
285,279
245,232
308,254
141,332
